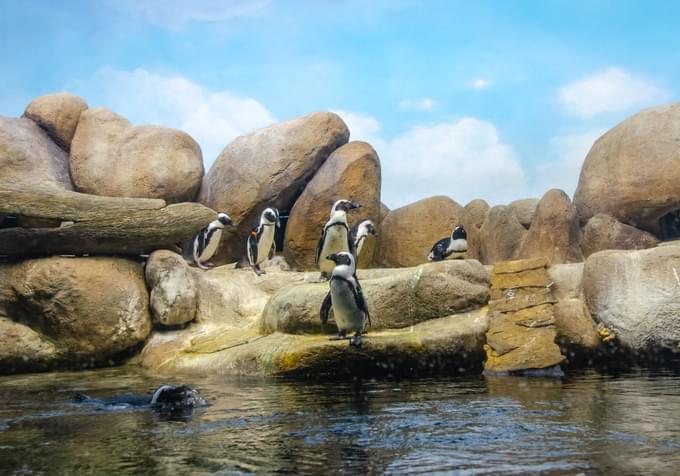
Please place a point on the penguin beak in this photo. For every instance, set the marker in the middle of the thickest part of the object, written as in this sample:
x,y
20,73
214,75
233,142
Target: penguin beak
x,y
371,230
332,257
278,222
353,205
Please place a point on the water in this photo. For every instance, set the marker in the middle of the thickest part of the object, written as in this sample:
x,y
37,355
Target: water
x,y
586,423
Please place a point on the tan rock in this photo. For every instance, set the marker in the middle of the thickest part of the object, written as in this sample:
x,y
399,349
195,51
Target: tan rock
x,y
554,232
351,172
384,210
268,167
478,210
567,279
29,157
603,232
529,278
173,289
519,265
408,233
24,350
511,300
575,328
111,157
524,210
58,115
501,235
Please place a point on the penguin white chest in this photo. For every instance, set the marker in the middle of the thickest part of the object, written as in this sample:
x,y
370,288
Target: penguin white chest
x,y
211,247
335,241
265,244
347,314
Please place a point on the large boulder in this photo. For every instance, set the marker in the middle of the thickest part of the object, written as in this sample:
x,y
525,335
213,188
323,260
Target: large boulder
x,y
604,232
111,157
636,295
524,210
58,114
29,157
554,232
24,350
500,236
268,167
91,309
408,233
478,210
173,289
395,299
631,172
352,172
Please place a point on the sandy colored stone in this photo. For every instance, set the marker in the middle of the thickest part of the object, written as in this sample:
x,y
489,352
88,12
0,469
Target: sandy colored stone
x,y
529,278
384,210
172,299
554,232
516,266
567,280
631,172
500,236
510,300
58,115
478,210
524,210
351,172
24,350
408,233
29,157
575,327
603,232
111,157
268,167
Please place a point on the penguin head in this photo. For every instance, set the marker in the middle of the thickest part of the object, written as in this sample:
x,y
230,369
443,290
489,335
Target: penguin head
x,y
344,205
271,216
224,219
459,233
341,258
370,227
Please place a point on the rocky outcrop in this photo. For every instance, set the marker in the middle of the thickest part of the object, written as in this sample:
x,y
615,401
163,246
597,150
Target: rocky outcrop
x,y
58,115
351,172
268,167
395,300
522,332
111,157
477,209
72,311
24,350
554,232
631,172
29,157
636,295
173,293
408,233
603,232
524,210
501,235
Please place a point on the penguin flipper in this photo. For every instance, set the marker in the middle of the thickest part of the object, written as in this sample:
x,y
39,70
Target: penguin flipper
x,y
360,300
325,308
438,250
272,251
252,247
353,238
319,245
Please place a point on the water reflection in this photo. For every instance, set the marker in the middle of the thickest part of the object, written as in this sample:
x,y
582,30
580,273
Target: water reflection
x,y
583,423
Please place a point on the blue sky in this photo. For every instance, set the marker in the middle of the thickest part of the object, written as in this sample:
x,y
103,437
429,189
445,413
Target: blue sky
x,y
497,100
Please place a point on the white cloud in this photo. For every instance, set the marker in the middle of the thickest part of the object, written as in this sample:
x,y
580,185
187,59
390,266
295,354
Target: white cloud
x,y
423,104
175,14
611,90
212,118
479,83
361,127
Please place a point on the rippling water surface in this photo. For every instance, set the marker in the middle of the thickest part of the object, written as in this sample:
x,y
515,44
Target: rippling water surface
x,y
586,423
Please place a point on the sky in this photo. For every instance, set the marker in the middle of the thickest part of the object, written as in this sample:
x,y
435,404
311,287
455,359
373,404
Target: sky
x,y
498,100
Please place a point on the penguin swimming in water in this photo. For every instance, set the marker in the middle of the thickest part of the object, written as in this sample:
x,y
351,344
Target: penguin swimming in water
x,y
166,398
346,298
358,234
334,236
260,245
442,249
207,240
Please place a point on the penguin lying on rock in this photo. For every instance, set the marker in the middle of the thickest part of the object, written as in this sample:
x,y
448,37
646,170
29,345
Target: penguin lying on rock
x,y
346,298
165,399
261,245
442,249
334,236
206,242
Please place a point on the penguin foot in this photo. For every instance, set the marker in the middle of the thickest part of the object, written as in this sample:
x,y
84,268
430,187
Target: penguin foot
x,y
342,335
323,277
355,340
201,265
258,271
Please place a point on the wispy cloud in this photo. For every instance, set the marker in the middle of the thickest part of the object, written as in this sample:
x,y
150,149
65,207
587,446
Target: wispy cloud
x,y
479,83
423,104
611,90
213,118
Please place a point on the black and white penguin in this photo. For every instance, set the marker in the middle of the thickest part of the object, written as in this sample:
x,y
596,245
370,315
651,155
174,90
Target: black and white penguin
x,y
442,249
358,234
260,245
170,398
207,240
346,298
334,236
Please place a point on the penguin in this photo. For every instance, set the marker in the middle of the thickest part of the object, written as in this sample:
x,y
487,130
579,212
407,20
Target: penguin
x,y
260,245
346,298
334,236
358,234
208,239
444,247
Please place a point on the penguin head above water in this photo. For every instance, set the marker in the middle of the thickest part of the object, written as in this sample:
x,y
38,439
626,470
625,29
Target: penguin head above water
x,y
270,216
344,206
175,397
224,219
459,233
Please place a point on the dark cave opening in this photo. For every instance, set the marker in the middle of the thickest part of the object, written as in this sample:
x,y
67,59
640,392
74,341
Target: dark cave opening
x,y
669,226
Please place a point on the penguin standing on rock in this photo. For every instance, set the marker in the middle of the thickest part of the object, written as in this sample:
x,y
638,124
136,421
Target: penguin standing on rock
x,y
207,240
261,245
335,236
442,249
358,234
347,299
